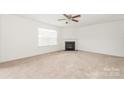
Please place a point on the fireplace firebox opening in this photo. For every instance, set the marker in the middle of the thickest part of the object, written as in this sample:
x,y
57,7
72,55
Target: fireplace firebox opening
x,y
70,45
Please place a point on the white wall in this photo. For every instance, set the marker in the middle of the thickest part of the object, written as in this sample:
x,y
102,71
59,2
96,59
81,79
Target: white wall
x,y
0,37
106,38
68,34
19,38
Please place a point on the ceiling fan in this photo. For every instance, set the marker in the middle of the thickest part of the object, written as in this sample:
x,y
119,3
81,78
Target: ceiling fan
x,y
69,17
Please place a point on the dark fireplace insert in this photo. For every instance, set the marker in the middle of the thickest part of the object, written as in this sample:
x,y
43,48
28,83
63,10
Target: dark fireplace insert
x,y
70,45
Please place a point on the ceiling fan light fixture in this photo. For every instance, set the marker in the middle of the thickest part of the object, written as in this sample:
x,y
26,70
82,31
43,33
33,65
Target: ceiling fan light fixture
x,y
66,22
70,17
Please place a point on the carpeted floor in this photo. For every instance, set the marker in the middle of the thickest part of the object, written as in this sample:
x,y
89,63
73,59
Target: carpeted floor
x,y
65,65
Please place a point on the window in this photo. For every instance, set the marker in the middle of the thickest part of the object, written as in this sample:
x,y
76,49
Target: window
x,y
47,37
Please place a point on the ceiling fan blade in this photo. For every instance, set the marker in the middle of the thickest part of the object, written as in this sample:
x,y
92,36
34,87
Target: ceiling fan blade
x,y
76,16
61,19
75,20
66,16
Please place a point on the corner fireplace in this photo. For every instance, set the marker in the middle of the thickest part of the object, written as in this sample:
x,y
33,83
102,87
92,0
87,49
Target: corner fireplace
x,y
70,45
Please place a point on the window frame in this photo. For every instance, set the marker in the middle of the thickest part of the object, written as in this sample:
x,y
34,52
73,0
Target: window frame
x,y
52,31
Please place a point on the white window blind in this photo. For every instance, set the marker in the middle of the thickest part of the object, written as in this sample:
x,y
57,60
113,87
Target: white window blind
x,y
47,37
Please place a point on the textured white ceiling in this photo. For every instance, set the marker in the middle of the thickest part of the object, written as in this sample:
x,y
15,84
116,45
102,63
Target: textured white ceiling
x,y
86,19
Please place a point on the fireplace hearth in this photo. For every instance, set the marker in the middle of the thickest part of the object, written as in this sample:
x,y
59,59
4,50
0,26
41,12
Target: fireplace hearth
x,y
70,45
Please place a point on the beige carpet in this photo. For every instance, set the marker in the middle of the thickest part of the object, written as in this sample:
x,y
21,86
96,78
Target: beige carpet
x,y
65,64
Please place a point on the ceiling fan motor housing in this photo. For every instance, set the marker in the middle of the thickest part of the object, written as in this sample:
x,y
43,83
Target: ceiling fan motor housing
x,y
66,22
